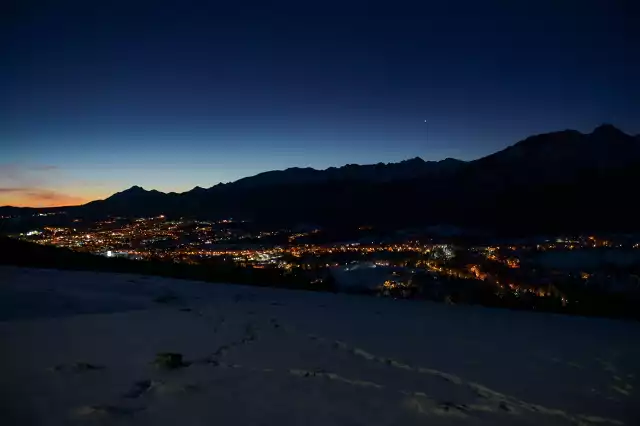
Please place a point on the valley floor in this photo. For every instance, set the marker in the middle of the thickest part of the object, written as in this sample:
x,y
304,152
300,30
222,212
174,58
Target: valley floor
x,y
79,347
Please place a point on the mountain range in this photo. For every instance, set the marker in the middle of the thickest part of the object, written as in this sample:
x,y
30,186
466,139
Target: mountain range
x,y
555,181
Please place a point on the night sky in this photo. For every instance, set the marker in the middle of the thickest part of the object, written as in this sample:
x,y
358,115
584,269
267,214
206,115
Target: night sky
x,y
170,95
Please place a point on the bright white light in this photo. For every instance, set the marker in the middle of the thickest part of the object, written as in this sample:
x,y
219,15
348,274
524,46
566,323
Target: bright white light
x,y
109,253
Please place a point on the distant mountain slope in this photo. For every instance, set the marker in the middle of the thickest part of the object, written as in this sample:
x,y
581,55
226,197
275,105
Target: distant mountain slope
x,y
562,154
381,172
560,180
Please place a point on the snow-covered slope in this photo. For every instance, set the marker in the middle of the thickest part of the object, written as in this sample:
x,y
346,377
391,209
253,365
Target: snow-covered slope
x,y
78,348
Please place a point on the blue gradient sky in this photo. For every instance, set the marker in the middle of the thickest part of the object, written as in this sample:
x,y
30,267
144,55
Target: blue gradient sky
x,y
170,95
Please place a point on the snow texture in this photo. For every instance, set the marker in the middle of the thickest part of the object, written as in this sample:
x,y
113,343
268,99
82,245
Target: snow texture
x,y
81,348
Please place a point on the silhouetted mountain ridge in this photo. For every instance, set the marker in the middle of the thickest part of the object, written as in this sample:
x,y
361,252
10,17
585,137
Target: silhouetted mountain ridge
x,y
380,172
557,180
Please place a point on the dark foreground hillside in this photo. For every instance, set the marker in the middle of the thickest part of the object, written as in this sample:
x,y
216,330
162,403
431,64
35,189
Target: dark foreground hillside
x,y
587,301
21,253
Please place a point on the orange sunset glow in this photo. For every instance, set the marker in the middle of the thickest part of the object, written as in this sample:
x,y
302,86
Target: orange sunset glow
x,y
38,197
45,185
